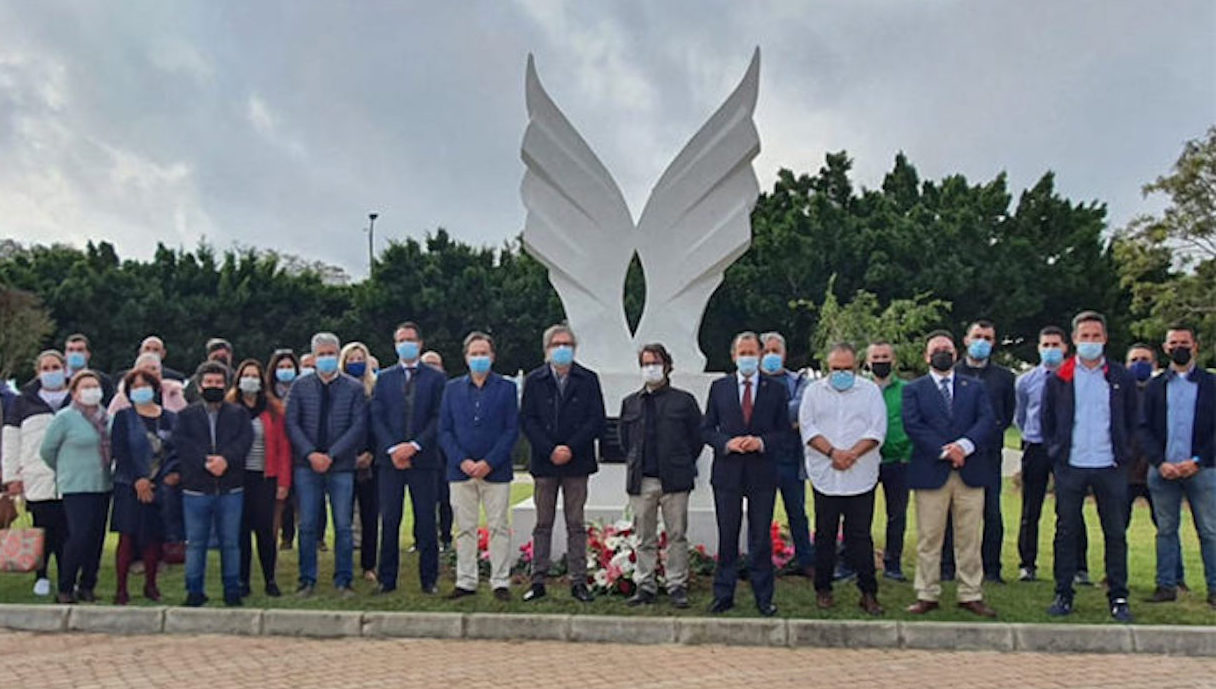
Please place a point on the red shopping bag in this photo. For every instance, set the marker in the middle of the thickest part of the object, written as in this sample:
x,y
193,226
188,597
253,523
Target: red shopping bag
x,y
22,548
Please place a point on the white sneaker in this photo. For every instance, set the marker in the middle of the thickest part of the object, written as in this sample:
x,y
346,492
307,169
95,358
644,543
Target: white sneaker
x,y
42,587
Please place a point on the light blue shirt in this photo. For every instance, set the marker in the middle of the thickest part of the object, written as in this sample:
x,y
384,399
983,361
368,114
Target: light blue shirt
x,y
1091,444
1028,416
1180,397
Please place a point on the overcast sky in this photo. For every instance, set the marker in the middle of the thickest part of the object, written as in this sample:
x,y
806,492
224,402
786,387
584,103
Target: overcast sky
x,y
282,124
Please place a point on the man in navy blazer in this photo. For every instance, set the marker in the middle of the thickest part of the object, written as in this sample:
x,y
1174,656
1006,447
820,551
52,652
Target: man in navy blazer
x,y
1178,434
405,420
562,415
747,423
950,421
1090,412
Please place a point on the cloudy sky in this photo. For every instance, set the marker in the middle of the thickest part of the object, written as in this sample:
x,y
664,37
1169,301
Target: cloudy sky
x,y
282,124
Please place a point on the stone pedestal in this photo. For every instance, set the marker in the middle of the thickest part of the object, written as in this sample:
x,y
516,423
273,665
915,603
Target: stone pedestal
x,y
606,497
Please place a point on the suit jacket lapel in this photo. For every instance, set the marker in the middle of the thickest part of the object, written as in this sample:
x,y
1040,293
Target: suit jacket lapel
x,y
736,405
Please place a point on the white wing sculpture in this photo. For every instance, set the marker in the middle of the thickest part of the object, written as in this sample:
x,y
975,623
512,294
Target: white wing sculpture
x,y
698,222
578,225
695,224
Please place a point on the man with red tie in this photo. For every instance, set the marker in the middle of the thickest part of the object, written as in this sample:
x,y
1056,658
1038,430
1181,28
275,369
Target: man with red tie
x,y
747,424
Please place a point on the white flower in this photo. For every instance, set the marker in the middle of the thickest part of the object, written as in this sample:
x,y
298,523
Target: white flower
x,y
601,578
623,525
612,543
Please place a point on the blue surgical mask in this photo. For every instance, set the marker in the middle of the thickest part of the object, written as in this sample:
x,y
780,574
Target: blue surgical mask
x,y
357,368
307,371
479,364
53,380
562,355
407,351
327,364
141,395
76,360
771,362
285,375
1051,356
1142,370
979,349
747,365
842,380
1090,351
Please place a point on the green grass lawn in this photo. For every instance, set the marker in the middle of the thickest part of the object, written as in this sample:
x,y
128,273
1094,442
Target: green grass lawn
x,y
1016,602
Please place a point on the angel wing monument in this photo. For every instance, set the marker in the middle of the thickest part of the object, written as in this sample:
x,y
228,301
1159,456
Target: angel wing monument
x,y
695,224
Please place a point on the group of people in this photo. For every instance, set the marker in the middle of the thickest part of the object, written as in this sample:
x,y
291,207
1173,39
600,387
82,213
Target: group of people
x,y
219,459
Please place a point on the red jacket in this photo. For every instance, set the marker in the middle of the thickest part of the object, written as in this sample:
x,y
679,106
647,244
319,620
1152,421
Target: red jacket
x,y
278,449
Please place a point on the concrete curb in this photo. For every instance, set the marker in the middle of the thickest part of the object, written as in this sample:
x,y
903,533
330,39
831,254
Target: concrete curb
x,y
793,633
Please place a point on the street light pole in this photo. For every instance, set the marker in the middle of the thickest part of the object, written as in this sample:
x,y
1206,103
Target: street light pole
x,y
371,240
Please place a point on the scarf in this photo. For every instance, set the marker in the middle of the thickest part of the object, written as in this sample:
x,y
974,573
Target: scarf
x,y
100,422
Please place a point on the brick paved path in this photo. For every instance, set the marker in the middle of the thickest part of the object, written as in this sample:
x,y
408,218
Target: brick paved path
x,y
217,662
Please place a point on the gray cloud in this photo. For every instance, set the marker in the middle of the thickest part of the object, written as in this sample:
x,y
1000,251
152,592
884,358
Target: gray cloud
x,y
282,124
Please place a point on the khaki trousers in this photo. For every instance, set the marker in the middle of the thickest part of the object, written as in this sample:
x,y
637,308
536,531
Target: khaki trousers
x,y
467,497
646,508
966,504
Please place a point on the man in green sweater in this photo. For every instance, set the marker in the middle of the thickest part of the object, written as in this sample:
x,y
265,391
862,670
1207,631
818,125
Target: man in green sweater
x,y
896,453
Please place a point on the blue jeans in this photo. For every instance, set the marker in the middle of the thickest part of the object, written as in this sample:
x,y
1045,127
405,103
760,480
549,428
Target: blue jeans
x,y
202,512
1200,492
793,496
312,488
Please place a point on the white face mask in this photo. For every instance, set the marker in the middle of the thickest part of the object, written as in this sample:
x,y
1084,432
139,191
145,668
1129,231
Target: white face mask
x,y
652,374
90,397
250,384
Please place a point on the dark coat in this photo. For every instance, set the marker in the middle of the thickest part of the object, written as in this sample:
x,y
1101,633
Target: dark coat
x,y
930,426
1059,411
388,415
1154,422
347,429
724,420
574,418
678,429
192,438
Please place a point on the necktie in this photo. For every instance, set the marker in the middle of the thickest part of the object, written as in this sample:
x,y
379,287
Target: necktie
x,y
947,394
747,401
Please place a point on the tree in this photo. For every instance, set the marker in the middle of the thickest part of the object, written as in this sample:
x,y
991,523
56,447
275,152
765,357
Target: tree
x,y
903,322
1168,261
24,326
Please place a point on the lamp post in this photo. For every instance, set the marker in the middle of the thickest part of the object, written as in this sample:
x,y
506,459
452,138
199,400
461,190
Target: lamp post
x,y
371,240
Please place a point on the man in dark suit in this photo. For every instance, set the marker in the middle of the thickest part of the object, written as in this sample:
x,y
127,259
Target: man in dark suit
x,y
1178,434
949,419
999,382
405,420
562,415
1089,418
747,424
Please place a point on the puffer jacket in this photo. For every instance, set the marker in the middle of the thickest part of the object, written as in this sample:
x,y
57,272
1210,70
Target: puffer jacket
x,y
25,426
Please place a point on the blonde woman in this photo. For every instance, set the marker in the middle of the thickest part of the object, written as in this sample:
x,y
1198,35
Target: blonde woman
x,y
356,361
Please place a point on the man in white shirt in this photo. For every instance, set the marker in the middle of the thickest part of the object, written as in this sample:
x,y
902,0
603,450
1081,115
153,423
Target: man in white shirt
x,y
843,420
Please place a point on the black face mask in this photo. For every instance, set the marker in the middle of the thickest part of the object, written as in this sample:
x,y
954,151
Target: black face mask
x,y
941,360
213,395
1181,355
881,369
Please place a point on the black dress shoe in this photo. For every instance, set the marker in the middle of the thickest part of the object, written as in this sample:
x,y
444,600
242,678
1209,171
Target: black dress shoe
x,y
233,600
502,593
642,597
721,605
581,593
272,590
85,595
245,590
767,609
383,590
679,597
460,593
535,593
195,600
430,590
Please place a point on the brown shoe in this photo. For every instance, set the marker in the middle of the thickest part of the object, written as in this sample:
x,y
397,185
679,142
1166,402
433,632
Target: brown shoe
x,y
824,600
920,607
978,607
869,603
